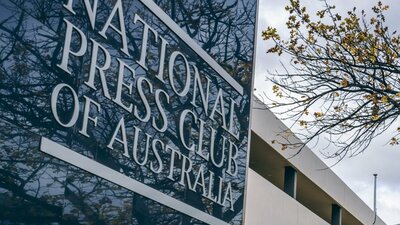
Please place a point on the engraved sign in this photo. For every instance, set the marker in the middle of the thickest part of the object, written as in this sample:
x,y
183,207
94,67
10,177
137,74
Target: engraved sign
x,y
152,98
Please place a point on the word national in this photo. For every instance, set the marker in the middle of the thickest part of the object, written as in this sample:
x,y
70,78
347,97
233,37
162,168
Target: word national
x,y
211,135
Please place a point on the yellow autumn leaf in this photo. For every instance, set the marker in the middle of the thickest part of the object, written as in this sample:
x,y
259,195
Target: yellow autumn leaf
x,y
375,118
394,141
303,123
384,99
368,97
344,83
318,114
275,88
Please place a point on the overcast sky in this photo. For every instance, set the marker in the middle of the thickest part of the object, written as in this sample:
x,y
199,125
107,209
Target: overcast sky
x,y
380,157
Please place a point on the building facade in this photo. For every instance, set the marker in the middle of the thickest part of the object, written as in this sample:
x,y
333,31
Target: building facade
x,y
296,190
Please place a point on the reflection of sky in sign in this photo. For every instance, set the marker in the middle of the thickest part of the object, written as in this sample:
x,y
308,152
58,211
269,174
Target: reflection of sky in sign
x,y
225,31
29,74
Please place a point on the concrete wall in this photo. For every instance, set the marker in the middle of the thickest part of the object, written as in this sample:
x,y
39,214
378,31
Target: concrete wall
x,y
268,205
266,125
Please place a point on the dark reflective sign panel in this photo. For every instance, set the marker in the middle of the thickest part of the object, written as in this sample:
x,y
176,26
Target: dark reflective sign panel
x,y
124,112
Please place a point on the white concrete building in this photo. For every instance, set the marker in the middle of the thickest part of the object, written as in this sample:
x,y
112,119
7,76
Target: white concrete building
x,y
285,190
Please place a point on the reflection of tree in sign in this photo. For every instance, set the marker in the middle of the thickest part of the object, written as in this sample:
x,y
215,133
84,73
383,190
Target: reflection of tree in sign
x,y
28,188
224,28
31,45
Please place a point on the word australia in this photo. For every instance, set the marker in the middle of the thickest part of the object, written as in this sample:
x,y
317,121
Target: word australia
x,y
218,108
